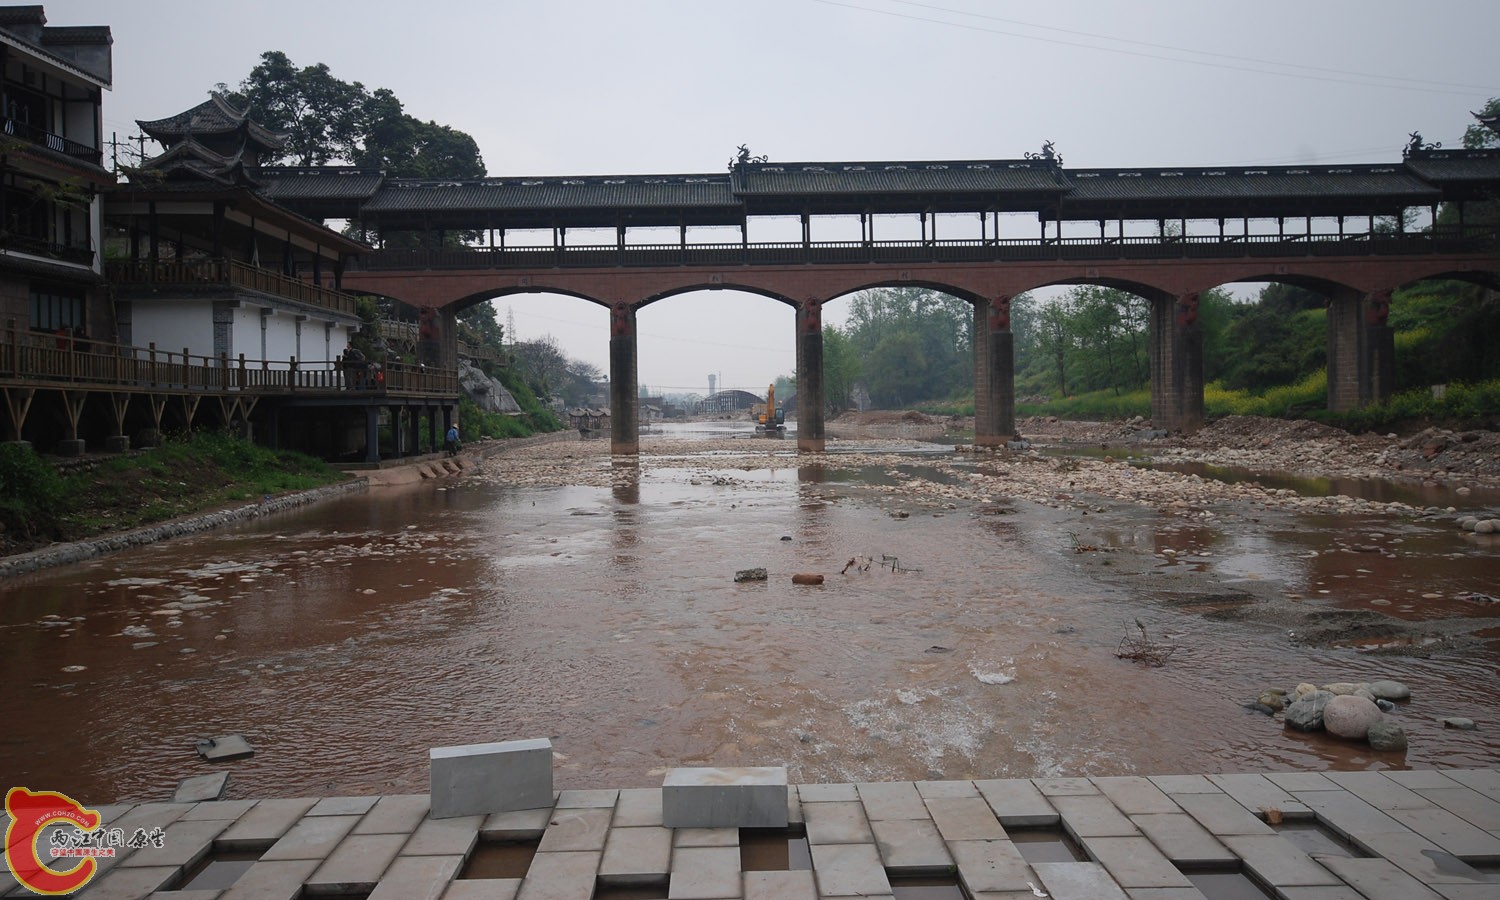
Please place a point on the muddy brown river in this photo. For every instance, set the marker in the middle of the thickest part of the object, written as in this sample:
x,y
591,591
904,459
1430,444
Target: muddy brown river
x,y
968,640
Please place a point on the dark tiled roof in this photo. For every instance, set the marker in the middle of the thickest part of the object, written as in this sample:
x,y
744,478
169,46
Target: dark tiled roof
x,y
947,177
213,116
22,15
1446,166
189,158
1280,183
287,184
77,34
593,192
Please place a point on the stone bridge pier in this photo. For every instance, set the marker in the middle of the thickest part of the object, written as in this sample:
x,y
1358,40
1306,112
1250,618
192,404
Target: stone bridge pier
x,y
1176,362
1361,349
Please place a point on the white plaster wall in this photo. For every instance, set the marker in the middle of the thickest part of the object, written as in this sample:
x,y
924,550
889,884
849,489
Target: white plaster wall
x,y
173,325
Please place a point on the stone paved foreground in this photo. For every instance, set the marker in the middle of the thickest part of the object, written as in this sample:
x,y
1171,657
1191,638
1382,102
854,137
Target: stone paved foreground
x,y
1394,835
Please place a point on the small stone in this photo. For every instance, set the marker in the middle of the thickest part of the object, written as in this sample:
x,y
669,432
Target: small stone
x,y
750,575
1487,526
1341,688
74,668
1303,690
1306,712
1275,700
1458,722
1348,716
807,578
1385,689
1386,735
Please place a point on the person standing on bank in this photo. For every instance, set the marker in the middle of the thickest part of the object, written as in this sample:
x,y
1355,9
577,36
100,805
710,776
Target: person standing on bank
x,y
451,442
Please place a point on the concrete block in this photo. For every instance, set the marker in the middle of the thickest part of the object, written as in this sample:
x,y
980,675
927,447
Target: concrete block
x,y
118,443
737,797
226,748
68,448
489,778
201,788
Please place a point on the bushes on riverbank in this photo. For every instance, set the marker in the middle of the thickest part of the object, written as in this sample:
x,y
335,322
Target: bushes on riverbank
x,y
40,504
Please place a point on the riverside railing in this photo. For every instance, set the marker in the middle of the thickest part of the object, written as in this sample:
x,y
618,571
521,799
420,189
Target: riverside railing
x,y
41,359
1457,239
226,274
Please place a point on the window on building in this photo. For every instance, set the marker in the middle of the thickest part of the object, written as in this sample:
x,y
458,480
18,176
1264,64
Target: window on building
x,y
55,306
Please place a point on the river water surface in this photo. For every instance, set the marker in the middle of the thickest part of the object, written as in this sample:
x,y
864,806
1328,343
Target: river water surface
x,y
967,641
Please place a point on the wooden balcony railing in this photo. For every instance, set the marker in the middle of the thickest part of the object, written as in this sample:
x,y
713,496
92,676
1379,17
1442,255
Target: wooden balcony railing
x,y
225,273
42,138
45,248
47,360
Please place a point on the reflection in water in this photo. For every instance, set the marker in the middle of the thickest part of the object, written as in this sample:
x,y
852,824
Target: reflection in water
x,y
345,640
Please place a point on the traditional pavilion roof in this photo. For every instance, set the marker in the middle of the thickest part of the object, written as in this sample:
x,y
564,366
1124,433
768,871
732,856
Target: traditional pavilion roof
x,y
1461,174
988,179
335,192
190,159
215,116
1231,191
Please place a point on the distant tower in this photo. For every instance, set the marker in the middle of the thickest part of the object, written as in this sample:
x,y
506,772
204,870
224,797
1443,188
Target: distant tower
x,y
510,326
711,382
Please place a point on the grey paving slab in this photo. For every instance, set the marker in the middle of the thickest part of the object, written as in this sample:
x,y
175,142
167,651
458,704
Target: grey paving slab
x,y
911,846
1346,814
1185,784
991,866
640,855
576,829
1221,814
1182,840
1078,881
849,870
1468,891
705,873
264,824
946,790
1469,805
313,837
1276,861
837,823
1135,795
825,793
201,788
1134,862
706,837
794,814
965,819
1177,893
127,883
1485,781
1379,879
565,875
602,799
272,880
445,837
891,800
1064,787
184,895
183,843
396,814
1378,791
417,878
1293,782
343,806
356,864
1093,816
484,889
516,825
638,807
1421,779
1017,802
1451,833
1320,892
1420,858
1258,793
221,810
780,886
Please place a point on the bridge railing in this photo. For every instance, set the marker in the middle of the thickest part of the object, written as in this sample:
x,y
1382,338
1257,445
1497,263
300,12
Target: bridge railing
x,y
63,361
1449,239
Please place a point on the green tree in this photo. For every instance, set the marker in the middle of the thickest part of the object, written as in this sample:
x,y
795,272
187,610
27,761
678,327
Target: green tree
x,y
840,369
914,344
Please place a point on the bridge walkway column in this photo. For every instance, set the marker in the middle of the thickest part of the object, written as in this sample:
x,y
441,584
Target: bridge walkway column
x,y
810,400
994,374
1176,363
1361,350
624,399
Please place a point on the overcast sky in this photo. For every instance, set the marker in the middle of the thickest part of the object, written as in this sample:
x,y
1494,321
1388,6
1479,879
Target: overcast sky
x,y
595,87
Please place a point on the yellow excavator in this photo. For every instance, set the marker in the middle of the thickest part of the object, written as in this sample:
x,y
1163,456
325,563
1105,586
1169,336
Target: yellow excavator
x,y
772,418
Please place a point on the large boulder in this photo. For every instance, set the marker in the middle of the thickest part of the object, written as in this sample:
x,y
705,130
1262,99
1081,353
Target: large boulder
x,y
1306,712
1386,689
486,392
1349,716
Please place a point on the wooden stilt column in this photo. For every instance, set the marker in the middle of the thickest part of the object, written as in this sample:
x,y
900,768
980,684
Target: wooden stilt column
x,y
998,423
1176,363
372,434
624,401
810,401
1361,350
